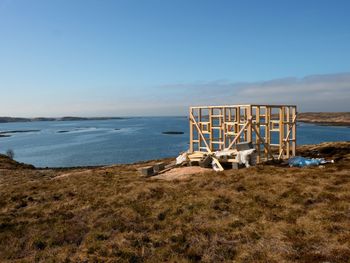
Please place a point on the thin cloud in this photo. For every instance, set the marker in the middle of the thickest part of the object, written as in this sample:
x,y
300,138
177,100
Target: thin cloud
x,y
329,92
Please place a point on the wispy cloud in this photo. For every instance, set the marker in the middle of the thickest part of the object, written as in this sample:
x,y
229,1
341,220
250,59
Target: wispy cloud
x,y
312,93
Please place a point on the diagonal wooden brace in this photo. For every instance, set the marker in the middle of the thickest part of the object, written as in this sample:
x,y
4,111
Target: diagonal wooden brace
x,y
267,147
288,135
206,144
239,134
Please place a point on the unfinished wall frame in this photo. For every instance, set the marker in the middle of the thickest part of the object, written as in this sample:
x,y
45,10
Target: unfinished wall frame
x,y
271,129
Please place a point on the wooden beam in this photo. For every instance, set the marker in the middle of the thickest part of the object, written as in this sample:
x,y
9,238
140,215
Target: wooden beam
x,y
288,128
199,120
281,129
294,131
191,132
257,123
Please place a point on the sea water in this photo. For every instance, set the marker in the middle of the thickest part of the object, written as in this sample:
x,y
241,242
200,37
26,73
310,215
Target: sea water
x,y
115,141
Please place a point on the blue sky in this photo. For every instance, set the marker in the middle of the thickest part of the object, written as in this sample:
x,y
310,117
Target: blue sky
x,y
111,58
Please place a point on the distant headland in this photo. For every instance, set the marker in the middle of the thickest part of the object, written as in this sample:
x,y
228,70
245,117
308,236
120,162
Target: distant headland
x,y
319,118
67,118
325,118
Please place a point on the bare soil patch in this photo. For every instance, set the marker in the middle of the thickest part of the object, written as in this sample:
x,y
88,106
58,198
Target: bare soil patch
x,y
181,173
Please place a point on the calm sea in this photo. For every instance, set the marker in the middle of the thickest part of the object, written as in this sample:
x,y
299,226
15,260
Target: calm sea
x,y
82,143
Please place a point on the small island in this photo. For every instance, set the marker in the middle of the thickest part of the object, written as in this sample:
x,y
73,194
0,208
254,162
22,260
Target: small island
x,y
8,133
172,132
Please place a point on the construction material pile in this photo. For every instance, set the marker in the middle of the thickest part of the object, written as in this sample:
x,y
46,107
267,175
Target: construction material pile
x,y
244,155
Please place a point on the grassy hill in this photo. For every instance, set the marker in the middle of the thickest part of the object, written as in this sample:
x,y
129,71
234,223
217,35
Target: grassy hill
x,y
110,214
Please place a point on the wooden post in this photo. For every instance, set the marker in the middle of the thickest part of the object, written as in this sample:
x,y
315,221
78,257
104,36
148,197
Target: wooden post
x,y
249,128
294,130
267,128
287,139
281,130
257,140
223,128
191,132
199,121
238,117
288,128
229,120
211,128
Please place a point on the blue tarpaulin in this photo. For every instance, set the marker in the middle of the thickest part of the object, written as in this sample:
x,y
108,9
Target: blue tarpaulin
x,y
299,161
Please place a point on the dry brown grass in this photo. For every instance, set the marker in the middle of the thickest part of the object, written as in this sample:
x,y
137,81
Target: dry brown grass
x,y
260,214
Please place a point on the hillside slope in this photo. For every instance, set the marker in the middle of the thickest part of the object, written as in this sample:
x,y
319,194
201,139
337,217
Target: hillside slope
x,y
110,214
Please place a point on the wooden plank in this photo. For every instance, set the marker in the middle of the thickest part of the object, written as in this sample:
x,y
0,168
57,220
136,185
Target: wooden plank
x,y
223,127
288,128
294,131
191,132
221,124
267,129
249,129
238,119
199,121
216,161
211,126
281,129
257,124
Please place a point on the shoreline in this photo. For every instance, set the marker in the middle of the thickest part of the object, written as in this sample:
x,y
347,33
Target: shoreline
x,y
137,163
325,123
19,119
325,118
316,118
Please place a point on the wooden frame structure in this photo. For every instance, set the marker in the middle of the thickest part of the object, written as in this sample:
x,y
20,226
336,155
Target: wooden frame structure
x,y
270,128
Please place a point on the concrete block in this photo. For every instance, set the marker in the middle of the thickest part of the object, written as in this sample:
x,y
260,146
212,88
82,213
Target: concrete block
x,y
158,167
235,166
205,162
253,159
146,171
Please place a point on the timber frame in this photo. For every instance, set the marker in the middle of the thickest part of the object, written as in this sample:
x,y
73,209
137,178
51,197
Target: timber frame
x,y
270,128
